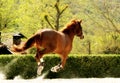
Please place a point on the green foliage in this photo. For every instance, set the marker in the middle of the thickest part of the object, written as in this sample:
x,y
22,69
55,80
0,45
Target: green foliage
x,y
77,66
25,66
112,44
5,59
112,50
32,51
89,66
100,19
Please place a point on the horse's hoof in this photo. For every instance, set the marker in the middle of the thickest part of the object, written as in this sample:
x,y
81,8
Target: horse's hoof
x,y
56,68
53,69
39,70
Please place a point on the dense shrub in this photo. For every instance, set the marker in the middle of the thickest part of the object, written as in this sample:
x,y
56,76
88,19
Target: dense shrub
x,y
18,65
89,66
77,66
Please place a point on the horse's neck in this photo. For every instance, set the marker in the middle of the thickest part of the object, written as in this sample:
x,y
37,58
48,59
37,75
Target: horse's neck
x,y
70,35
69,32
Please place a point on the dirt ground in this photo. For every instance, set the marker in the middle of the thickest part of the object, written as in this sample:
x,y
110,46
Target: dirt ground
x,y
18,79
89,80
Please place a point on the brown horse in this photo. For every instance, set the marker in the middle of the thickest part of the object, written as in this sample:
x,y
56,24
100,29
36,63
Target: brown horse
x,y
51,41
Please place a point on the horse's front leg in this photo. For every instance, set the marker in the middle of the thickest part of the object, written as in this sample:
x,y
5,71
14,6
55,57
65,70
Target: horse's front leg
x,y
61,65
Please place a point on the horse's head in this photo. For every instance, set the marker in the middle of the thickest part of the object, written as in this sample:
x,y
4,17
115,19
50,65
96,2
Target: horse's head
x,y
74,28
78,28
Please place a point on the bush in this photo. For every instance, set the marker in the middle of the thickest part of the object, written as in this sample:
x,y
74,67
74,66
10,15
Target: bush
x,y
32,50
77,66
25,66
89,66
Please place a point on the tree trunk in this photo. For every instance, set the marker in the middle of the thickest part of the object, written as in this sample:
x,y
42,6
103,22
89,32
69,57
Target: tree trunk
x,y
58,14
89,47
57,22
0,38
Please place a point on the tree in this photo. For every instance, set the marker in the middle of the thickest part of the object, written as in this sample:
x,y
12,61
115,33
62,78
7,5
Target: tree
x,y
5,13
58,15
0,27
109,11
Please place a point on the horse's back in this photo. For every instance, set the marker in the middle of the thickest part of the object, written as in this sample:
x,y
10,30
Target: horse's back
x,y
49,34
48,38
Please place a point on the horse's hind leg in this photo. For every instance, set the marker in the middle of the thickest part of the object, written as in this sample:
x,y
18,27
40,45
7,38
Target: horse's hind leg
x,y
38,57
39,61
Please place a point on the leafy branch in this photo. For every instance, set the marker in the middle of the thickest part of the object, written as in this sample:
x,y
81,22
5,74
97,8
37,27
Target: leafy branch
x,y
46,18
108,17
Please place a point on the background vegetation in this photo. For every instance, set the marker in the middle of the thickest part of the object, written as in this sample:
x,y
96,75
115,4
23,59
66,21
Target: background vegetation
x,y
101,21
101,28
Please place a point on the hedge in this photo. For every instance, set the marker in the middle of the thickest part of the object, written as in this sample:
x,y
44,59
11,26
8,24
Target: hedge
x,y
77,66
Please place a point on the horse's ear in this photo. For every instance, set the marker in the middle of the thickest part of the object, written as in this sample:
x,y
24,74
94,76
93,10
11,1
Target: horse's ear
x,y
80,21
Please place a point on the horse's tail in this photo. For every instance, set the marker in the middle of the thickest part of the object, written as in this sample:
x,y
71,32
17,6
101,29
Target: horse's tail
x,y
29,43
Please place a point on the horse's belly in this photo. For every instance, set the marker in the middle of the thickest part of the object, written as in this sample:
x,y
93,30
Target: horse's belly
x,y
64,45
